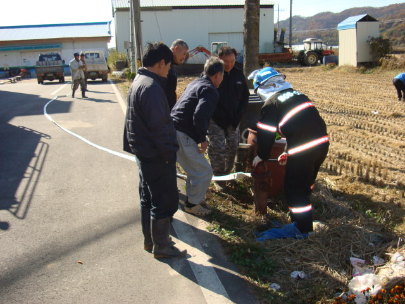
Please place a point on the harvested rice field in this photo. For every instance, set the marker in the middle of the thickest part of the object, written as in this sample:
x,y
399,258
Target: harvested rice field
x,y
358,198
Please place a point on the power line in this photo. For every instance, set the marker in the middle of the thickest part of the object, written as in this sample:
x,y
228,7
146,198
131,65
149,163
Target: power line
x,y
157,22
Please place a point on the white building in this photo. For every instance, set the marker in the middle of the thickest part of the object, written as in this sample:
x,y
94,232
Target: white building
x,y
21,45
199,23
354,32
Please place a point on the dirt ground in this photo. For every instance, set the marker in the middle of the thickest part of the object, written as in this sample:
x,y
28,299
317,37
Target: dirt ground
x,y
359,194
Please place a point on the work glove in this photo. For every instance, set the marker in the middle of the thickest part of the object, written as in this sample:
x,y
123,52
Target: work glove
x,y
282,159
256,161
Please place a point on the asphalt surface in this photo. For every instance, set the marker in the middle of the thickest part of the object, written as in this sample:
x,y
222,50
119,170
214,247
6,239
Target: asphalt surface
x,y
69,209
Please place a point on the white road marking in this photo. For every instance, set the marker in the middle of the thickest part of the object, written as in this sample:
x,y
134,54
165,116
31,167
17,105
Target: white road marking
x,y
210,284
129,157
118,94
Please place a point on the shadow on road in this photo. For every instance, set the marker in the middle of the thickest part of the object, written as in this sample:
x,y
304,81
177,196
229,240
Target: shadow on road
x,y
22,151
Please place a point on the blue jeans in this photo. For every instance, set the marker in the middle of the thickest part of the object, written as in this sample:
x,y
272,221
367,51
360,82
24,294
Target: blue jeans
x,y
199,171
158,186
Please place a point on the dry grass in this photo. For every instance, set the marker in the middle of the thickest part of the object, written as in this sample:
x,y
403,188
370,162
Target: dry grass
x,y
359,194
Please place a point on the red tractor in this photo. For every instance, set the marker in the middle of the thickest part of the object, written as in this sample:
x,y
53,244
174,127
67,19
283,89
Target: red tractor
x,y
313,51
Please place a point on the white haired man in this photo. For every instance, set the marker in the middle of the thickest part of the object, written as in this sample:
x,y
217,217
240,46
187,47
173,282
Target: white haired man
x,y
179,49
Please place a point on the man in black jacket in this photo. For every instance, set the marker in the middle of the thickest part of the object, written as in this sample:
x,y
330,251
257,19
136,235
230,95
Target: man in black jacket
x,y
150,135
291,114
191,116
223,133
180,50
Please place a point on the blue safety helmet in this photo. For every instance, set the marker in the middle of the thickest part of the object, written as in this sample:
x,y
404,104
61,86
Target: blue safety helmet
x,y
263,75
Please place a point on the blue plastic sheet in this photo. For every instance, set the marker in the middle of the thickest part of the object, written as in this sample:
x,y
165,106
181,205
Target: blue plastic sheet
x,y
286,231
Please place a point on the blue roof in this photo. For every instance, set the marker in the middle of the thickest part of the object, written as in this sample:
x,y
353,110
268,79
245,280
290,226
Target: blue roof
x,y
350,23
53,31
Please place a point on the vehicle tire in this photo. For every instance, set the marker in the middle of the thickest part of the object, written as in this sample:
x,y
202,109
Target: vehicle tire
x,y
311,59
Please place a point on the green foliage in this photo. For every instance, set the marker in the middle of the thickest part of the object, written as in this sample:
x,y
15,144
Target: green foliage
x,y
225,233
379,47
130,75
256,259
113,56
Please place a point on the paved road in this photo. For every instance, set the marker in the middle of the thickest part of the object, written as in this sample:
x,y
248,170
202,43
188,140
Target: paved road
x,y
69,219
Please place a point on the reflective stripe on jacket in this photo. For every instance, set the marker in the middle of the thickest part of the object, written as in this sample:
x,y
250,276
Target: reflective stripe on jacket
x,y
293,115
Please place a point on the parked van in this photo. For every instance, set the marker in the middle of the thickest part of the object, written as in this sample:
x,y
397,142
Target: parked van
x,y
96,65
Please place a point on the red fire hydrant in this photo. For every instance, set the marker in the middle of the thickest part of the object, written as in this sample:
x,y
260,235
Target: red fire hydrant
x,y
268,177
261,183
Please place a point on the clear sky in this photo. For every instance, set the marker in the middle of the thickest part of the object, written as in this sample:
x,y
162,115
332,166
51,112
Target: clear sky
x,y
307,8
30,12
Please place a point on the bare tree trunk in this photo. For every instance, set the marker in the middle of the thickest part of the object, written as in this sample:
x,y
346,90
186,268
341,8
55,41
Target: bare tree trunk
x,y
251,37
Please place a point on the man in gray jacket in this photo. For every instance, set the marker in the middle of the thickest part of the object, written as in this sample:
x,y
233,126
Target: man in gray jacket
x,y
150,135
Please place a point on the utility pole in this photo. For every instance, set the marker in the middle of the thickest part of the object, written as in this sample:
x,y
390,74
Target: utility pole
x,y
132,38
291,23
251,37
278,18
136,34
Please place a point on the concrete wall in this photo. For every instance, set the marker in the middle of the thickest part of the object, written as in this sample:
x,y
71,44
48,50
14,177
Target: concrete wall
x,y
122,29
28,58
197,27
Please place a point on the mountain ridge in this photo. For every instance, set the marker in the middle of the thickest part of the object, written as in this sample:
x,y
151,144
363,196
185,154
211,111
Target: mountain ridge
x,y
324,25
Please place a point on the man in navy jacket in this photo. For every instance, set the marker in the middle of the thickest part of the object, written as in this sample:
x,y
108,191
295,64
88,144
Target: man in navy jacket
x,y
191,116
150,135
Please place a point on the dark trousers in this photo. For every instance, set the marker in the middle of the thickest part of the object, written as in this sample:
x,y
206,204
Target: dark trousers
x,y
76,83
300,174
158,186
400,86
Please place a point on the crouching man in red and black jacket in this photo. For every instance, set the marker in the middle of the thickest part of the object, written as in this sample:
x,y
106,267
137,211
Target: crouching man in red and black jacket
x,y
291,114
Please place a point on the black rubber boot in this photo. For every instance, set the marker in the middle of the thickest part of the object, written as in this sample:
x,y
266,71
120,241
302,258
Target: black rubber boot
x,y
73,94
162,245
146,230
84,94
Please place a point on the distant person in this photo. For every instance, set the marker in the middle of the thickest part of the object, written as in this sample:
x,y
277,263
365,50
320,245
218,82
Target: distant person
x,y
191,116
399,84
150,134
82,59
223,133
76,68
180,50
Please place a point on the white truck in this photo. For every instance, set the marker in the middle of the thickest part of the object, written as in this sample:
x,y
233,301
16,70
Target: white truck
x,y
96,65
49,67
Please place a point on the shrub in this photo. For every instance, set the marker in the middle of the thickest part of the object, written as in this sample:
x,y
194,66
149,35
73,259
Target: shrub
x,y
113,56
130,75
379,47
